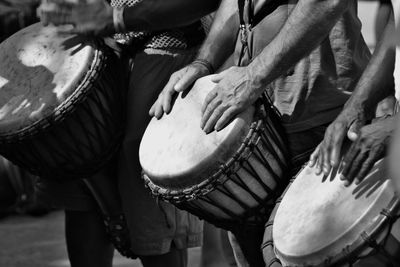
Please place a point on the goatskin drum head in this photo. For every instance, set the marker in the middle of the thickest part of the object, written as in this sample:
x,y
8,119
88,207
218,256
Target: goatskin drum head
x,y
176,153
39,70
318,216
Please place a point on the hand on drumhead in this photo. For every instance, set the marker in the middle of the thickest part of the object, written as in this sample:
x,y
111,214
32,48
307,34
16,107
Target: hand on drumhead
x,y
89,18
235,92
327,155
179,81
369,147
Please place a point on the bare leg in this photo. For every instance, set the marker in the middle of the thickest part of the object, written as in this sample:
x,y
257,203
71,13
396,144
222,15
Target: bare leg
x,y
246,244
227,248
212,253
174,258
87,242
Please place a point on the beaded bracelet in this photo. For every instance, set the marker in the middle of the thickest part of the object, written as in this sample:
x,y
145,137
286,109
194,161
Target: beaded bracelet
x,y
206,64
118,19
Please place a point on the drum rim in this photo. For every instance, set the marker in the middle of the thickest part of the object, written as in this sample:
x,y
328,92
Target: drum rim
x,y
221,175
68,106
350,251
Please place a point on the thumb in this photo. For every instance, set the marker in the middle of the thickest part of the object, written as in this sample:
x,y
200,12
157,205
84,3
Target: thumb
x,y
354,130
186,81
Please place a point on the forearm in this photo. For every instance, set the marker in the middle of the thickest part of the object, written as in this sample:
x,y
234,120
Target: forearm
x,y
377,81
306,27
165,14
220,42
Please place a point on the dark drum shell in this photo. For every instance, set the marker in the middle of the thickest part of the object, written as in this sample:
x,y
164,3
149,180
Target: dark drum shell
x,y
82,133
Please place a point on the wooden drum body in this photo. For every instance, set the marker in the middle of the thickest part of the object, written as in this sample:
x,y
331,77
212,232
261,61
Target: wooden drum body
x,y
320,222
229,177
61,103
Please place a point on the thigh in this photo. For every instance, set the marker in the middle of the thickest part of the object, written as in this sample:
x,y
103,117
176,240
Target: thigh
x,y
71,195
87,241
153,225
149,75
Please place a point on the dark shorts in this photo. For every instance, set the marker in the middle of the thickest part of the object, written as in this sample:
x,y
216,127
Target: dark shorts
x,y
154,226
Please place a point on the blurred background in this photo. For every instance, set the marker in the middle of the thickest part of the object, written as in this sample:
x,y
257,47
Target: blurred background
x,y
31,233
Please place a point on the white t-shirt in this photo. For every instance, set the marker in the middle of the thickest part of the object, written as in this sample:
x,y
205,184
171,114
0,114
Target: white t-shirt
x,y
396,40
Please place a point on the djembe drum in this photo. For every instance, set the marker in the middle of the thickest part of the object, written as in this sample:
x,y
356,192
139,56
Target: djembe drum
x,y
61,103
229,178
320,222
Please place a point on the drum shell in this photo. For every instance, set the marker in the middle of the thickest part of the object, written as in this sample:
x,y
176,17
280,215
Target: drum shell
x,y
358,254
83,133
244,193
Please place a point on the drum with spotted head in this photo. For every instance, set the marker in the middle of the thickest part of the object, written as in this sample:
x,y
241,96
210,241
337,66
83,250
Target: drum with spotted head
x,y
61,102
230,177
321,222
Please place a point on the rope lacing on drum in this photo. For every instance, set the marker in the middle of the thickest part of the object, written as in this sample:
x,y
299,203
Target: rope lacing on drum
x,y
273,261
368,239
219,177
346,251
328,261
269,246
378,248
61,162
270,242
253,215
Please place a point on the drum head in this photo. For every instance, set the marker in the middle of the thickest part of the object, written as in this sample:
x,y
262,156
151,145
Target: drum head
x,y
176,153
39,70
317,219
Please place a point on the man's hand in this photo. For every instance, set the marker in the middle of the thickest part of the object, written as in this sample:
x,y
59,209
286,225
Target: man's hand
x,y
327,155
179,81
235,91
369,147
88,18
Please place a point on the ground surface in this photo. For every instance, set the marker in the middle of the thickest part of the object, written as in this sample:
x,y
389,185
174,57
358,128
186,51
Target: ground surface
x,y
39,242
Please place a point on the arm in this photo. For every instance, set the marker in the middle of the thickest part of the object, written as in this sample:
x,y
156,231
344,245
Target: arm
x,y
375,84
166,14
306,27
96,17
218,46
220,42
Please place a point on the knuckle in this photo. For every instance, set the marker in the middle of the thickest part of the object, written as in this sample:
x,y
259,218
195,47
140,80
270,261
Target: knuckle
x,y
338,126
174,76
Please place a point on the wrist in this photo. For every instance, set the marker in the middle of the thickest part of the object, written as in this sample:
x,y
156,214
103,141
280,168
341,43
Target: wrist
x,y
257,76
205,63
359,109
